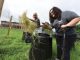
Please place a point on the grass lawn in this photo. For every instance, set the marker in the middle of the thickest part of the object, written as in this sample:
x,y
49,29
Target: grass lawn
x,y
13,48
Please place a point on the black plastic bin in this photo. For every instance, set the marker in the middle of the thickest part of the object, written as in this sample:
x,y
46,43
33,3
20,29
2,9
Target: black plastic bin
x,y
41,48
27,37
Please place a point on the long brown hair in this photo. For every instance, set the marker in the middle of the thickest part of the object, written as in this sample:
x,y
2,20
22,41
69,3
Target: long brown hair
x,y
57,12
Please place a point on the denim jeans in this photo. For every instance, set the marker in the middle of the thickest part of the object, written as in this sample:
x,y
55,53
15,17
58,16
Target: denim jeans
x,y
69,43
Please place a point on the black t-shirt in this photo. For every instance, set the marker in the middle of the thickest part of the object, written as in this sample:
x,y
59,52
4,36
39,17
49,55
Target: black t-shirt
x,y
38,22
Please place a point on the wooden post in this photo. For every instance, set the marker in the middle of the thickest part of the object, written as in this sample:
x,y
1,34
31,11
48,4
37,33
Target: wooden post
x,y
10,25
1,5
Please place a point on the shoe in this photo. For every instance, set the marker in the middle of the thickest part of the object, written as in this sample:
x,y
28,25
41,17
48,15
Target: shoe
x,y
57,59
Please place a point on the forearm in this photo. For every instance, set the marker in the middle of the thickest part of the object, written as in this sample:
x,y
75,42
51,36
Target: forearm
x,y
32,20
73,22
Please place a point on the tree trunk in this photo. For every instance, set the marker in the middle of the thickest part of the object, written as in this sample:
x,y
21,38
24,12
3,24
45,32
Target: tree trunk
x,y
1,5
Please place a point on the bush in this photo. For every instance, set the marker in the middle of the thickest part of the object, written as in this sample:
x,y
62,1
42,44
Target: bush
x,y
78,28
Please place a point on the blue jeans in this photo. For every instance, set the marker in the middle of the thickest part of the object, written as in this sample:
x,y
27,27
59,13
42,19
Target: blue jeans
x,y
69,43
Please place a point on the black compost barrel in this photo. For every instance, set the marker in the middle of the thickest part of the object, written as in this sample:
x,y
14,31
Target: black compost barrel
x,y
41,48
27,37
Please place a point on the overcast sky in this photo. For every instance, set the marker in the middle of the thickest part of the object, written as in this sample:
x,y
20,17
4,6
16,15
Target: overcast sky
x,y
42,7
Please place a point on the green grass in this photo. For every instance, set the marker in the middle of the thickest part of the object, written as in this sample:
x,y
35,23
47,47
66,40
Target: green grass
x,y
75,53
13,48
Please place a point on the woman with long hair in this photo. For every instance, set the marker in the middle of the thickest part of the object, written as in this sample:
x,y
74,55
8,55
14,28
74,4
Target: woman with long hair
x,y
60,20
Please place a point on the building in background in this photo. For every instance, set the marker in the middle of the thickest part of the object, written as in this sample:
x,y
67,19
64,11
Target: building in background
x,y
13,24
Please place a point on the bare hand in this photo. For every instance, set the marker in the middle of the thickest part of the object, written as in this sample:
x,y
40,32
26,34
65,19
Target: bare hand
x,y
63,26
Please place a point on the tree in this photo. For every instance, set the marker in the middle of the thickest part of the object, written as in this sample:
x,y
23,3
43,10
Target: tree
x,y
1,5
27,24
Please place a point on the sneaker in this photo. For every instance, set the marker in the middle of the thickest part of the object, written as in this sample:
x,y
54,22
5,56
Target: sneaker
x,y
57,59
